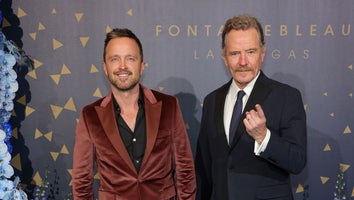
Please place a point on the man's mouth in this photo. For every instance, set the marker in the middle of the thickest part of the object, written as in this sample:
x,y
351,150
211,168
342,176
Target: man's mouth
x,y
123,73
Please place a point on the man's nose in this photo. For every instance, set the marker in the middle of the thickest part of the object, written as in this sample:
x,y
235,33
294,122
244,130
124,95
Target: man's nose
x,y
243,59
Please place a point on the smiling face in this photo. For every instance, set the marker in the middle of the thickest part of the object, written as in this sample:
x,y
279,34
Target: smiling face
x,y
243,54
123,64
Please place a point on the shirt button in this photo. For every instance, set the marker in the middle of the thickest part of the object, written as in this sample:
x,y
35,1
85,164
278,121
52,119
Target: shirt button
x,y
137,161
134,139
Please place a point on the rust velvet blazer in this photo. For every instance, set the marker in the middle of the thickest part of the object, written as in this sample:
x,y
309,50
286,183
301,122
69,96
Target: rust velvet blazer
x,y
167,169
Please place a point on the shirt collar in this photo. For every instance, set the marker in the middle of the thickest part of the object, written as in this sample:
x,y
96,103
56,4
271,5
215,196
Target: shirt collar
x,y
140,101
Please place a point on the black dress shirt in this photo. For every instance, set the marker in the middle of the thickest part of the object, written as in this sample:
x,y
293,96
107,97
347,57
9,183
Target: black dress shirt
x,y
134,141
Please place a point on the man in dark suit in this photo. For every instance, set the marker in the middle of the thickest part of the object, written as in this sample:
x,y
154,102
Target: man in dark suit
x,y
135,136
254,160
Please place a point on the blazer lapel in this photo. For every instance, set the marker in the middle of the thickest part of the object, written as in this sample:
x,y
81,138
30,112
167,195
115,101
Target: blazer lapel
x,y
219,112
258,95
108,121
152,116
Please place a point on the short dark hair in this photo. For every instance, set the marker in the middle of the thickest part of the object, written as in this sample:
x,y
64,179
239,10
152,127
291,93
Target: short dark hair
x,y
242,22
119,33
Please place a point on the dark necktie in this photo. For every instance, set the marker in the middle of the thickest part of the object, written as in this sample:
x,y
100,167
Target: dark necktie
x,y
236,114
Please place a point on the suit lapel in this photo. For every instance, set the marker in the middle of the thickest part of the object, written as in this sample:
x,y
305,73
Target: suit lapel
x,y
219,112
108,121
152,116
258,95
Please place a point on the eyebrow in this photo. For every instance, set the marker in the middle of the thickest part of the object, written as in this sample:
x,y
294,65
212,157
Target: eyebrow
x,y
124,56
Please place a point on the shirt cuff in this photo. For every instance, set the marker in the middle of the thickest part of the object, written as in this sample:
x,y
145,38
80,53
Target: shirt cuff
x,y
259,148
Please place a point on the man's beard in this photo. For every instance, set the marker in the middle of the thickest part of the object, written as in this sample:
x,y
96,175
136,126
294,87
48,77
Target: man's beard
x,y
121,88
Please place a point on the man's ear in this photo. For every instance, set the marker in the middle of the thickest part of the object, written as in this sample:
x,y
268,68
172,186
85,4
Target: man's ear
x,y
263,52
104,68
142,67
223,54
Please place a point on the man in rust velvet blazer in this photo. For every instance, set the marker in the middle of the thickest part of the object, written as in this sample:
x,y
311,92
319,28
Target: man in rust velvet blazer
x,y
135,136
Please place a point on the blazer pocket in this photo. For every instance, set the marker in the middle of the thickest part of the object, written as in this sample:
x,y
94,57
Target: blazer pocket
x,y
162,143
163,134
281,192
168,192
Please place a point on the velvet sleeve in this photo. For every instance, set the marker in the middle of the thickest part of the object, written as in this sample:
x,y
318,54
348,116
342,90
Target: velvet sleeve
x,y
82,174
183,157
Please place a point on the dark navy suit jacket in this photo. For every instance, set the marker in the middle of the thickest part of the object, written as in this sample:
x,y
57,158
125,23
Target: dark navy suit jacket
x,y
234,172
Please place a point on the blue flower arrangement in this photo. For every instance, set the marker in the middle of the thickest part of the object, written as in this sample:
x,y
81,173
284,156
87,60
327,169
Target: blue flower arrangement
x,y
9,189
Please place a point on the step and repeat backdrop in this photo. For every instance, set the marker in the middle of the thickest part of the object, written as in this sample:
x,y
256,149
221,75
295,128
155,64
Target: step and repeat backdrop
x,y
310,46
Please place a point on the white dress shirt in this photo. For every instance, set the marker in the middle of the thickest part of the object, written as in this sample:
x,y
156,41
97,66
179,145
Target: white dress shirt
x,y
228,108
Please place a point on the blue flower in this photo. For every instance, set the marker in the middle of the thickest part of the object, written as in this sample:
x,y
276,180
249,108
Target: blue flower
x,y
6,170
5,187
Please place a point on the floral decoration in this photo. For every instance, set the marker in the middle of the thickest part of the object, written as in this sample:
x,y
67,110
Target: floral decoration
x,y
9,54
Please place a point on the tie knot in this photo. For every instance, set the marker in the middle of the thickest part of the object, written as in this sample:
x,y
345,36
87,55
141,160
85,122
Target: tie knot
x,y
240,94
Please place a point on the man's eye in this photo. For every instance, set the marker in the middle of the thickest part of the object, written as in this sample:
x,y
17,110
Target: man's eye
x,y
131,59
114,59
251,52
